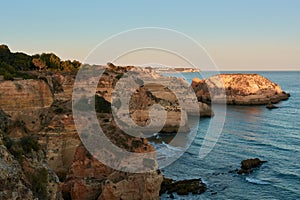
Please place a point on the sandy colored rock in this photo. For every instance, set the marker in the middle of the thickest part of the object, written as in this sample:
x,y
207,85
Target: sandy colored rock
x,y
240,89
24,100
90,179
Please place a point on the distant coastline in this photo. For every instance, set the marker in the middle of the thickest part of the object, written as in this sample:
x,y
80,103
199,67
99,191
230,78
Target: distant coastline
x,y
175,69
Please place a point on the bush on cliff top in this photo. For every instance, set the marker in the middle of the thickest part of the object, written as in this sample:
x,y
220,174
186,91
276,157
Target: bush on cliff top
x,y
11,63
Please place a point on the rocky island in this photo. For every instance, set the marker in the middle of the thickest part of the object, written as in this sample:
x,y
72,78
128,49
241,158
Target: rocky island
x,y
238,89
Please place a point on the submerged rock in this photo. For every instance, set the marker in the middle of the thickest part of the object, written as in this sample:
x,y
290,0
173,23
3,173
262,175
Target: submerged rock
x,y
248,165
271,106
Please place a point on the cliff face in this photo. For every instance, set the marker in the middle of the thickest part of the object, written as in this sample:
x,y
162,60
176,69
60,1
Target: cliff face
x,y
24,100
12,178
147,88
241,89
42,109
46,114
11,174
90,179
24,172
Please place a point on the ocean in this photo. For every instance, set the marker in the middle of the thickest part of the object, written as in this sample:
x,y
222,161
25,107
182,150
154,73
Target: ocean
x,y
248,132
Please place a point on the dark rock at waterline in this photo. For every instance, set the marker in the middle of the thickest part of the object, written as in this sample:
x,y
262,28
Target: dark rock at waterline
x,y
183,187
271,106
248,165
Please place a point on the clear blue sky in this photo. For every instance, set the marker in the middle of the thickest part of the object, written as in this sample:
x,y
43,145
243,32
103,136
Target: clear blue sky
x,y
239,34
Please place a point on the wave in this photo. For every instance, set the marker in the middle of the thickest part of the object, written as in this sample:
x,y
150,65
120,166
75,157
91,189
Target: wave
x,y
166,151
287,175
257,181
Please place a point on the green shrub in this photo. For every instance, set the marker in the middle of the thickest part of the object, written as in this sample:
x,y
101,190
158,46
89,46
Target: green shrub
x,y
13,147
38,181
58,111
101,105
8,76
28,143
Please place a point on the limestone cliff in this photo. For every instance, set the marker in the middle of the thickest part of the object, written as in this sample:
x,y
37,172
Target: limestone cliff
x,y
240,89
24,100
59,161
90,179
41,109
24,172
146,88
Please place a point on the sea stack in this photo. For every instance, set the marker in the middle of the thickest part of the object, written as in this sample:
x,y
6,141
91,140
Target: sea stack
x,y
239,89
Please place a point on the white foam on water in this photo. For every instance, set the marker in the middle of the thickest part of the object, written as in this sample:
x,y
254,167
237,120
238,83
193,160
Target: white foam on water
x,y
256,181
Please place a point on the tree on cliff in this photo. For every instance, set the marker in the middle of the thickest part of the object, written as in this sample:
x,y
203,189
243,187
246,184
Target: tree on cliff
x,y
52,61
14,64
39,63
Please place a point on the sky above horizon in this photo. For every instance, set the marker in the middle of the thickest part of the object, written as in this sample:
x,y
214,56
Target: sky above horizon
x,y
238,34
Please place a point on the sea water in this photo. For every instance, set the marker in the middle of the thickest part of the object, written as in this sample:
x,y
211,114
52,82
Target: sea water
x,y
248,132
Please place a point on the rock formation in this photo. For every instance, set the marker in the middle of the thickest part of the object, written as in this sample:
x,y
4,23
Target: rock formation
x,y
147,88
183,187
25,100
56,165
271,106
65,162
248,165
90,179
24,171
239,89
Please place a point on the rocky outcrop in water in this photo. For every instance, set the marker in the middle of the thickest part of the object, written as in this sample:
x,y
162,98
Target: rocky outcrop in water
x,y
271,106
248,165
239,89
183,187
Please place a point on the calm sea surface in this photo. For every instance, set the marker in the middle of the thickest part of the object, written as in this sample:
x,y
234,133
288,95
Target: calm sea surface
x,y
249,132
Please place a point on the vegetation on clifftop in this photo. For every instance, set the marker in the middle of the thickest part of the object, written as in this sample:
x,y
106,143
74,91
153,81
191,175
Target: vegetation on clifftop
x,y
14,64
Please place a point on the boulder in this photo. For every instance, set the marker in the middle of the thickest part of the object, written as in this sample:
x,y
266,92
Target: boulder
x,y
248,165
271,106
182,187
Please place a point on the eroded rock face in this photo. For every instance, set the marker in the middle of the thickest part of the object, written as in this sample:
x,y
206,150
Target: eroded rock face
x,y
24,100
43,109
90,179
24,173
12,178
59,137
147,88
134,186
240,89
